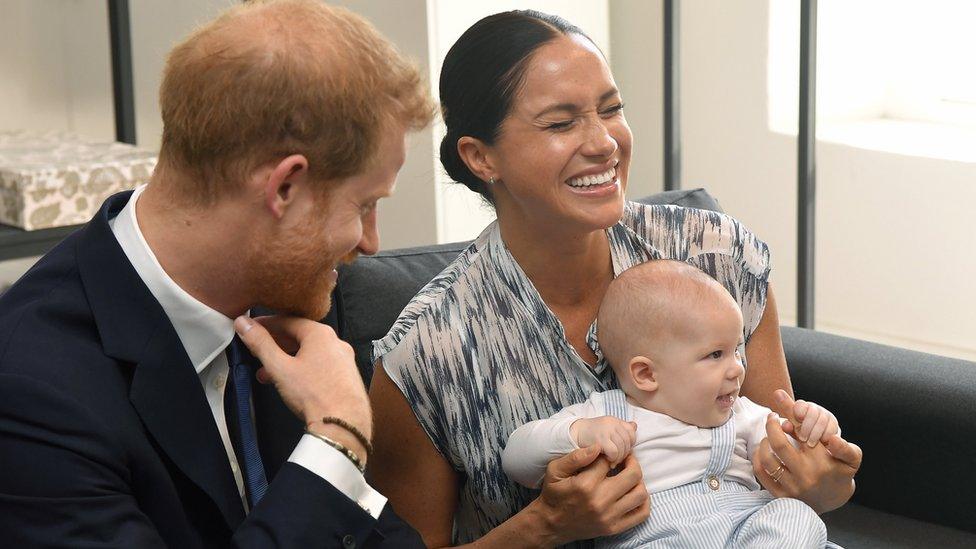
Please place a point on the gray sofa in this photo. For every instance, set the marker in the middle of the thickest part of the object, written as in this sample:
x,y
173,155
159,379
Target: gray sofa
x,y
914,414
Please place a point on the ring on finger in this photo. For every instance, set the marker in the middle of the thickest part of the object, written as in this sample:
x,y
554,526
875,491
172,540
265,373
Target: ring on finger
x,y
775,472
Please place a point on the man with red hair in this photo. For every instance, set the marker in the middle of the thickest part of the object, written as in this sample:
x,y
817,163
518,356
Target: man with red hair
x,y
127,354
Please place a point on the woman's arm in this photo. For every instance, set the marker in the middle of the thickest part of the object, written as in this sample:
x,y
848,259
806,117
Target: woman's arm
x,y
766,359
822,476
406,468
578,500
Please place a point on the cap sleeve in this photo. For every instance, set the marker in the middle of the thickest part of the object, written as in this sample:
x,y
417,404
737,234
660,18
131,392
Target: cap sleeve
x,y
716,243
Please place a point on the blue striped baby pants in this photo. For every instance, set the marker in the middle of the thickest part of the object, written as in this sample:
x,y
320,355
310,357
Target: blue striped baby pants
x,y
718,513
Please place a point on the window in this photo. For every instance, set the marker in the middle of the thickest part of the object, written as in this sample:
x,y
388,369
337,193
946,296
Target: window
x,y
893,76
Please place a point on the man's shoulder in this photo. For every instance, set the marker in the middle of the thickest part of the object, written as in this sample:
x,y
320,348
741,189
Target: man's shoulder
x,y
47,330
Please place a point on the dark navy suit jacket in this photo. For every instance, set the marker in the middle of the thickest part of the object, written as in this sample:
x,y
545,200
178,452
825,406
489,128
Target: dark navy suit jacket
x,y
106,437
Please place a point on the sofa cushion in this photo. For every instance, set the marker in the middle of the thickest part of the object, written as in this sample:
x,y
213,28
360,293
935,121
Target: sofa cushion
x,y
912,413
373,290
855,526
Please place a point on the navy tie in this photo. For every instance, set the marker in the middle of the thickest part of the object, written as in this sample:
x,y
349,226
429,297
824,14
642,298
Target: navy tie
x,y
240,375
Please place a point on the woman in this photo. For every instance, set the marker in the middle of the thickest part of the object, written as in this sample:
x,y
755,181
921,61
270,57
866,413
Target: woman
x,y
506,333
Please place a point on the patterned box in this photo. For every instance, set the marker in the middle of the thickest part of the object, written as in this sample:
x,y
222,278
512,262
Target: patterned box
x,y
56,178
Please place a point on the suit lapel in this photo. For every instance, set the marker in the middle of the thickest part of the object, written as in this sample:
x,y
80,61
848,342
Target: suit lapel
x,y
165,390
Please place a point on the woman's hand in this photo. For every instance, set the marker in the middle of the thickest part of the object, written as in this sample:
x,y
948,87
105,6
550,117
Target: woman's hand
x,y
579,501
821,476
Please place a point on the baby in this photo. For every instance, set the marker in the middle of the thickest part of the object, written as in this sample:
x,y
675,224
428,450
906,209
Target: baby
x,y
673,336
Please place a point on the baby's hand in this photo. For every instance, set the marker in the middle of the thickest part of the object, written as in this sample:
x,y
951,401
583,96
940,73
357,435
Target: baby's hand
x,y
615,436
816,423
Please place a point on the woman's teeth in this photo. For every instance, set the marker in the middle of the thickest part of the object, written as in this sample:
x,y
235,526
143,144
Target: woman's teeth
x,y
590,180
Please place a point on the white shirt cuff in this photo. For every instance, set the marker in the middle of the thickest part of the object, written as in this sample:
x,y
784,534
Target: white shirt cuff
x,y
336,469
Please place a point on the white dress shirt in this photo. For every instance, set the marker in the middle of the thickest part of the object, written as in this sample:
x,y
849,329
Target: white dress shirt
x,y
671,453
205,334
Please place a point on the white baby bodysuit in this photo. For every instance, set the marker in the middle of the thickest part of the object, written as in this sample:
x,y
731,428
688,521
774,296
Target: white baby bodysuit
x,y
670,452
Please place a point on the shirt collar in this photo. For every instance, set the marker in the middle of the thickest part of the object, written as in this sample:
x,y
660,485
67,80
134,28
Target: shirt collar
x,y
204,332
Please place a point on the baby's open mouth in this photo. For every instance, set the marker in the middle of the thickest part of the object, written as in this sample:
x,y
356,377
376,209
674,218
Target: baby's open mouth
x,y
727,399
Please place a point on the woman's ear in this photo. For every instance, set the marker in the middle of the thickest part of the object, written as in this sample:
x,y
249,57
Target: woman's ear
x,y
476,156
642,370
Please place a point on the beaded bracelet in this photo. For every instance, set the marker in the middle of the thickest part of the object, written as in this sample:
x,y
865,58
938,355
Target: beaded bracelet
x,y
342,449
332,420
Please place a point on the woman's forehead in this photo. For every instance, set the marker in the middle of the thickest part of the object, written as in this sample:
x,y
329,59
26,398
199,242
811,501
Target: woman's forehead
x,y
569,69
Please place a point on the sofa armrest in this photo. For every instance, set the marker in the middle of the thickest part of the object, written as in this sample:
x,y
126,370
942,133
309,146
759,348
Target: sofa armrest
x,y
913,414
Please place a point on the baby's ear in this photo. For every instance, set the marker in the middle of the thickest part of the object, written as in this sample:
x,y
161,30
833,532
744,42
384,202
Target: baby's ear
x,y
642,371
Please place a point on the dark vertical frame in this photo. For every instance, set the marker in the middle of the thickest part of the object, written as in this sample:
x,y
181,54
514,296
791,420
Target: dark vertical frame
x,y
806,166
123,96
672,112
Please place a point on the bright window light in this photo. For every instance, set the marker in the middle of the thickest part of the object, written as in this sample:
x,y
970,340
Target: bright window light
x,y
893,75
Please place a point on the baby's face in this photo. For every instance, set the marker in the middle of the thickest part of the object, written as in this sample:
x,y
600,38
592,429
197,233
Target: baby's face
x,y
700,371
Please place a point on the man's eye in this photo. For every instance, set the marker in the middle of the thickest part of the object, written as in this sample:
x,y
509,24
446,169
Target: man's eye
x,y
619,107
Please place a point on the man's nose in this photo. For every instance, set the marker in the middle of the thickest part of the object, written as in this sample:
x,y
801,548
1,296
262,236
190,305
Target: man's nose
x,y
369,244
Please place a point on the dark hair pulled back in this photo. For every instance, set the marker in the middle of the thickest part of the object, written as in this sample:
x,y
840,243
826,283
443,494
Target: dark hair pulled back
x,y
481,74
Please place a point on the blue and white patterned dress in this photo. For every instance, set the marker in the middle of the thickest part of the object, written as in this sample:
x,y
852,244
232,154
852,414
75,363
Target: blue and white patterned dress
x,y
477,353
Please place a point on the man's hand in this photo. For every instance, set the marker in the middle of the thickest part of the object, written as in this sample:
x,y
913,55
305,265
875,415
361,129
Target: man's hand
x,y
614,436
579,501
320,380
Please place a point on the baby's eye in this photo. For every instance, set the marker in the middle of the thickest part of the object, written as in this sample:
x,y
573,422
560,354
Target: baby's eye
x,y
715,355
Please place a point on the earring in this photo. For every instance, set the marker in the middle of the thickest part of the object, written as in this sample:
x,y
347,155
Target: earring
x,y
491,180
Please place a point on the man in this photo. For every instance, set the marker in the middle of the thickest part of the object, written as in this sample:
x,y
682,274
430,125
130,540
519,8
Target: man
x,y
126,412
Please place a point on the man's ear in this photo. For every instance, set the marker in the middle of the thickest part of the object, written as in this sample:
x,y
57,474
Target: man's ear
x,y
475,154
282,182
643,372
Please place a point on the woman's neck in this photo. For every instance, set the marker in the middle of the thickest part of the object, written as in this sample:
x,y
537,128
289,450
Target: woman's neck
x,y
567,268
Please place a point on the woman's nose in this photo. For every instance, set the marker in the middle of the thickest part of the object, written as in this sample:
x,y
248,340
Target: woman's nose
x,y
598,142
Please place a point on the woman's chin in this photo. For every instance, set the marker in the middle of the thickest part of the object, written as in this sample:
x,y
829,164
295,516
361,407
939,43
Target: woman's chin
x,y
602,213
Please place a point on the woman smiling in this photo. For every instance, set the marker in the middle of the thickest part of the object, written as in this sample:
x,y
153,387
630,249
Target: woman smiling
x,y
506,334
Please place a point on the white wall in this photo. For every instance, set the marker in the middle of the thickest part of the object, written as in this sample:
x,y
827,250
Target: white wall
x,y
55,67
894,237
637,64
